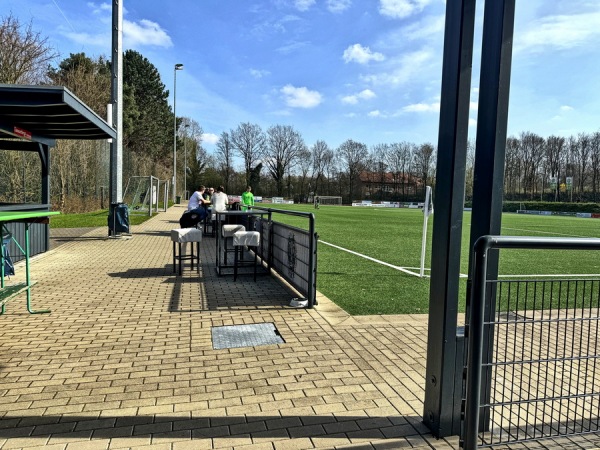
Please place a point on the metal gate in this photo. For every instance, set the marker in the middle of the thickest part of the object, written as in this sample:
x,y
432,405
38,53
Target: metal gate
x,y
533,369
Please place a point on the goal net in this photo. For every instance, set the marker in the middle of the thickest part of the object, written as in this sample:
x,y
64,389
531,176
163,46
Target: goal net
x,y
327,200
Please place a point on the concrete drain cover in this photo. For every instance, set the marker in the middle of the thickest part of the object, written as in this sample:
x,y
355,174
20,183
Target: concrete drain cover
x,y
233,336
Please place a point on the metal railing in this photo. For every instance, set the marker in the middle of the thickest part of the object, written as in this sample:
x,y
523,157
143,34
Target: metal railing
x,y
533,368
291,251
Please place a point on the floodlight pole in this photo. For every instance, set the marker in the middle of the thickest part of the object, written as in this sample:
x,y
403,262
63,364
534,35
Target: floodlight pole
x,y
185,127
177,67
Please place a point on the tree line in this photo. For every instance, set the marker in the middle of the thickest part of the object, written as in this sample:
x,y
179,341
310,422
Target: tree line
x,y
275,161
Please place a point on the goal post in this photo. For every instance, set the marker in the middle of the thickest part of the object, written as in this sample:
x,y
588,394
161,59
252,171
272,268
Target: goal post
x,y
427,211
326,200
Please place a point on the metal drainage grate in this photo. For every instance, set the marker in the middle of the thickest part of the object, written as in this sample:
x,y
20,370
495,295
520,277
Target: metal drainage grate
x,y
233,336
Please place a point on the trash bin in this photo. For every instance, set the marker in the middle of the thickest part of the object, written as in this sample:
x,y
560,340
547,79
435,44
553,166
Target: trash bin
x,y
177,199
9,268
118,219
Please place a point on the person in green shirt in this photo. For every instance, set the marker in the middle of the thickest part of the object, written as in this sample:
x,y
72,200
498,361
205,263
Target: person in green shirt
x,y
247,199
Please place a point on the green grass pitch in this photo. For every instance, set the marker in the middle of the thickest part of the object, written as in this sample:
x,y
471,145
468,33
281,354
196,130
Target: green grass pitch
x,y
393,235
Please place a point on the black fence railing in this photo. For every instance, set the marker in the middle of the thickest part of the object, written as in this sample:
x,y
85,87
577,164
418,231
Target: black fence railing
x,y
533,356
291,251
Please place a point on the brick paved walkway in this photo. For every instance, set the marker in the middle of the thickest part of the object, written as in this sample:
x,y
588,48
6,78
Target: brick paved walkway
x,y
125,359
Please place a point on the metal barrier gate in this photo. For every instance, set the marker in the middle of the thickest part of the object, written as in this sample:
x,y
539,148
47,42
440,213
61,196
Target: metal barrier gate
x,y
533,369
291,251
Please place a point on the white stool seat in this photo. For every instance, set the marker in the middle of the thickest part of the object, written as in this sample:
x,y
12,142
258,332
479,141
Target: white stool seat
x,y
248,238
182,235
241,239
230,230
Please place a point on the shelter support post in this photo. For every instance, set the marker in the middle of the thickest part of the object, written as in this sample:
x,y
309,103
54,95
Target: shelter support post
x,y
492,120
441,407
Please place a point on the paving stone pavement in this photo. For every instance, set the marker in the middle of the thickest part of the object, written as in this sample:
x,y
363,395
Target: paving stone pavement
x,y
125,358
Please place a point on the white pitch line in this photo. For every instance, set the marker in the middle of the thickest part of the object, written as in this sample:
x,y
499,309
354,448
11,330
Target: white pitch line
x,y
584,275
401,269
545,232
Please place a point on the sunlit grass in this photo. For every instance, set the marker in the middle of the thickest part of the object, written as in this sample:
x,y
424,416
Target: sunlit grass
x,y
91,219
393,235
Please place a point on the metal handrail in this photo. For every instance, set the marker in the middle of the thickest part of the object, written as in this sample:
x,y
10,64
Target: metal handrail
x,y
476,317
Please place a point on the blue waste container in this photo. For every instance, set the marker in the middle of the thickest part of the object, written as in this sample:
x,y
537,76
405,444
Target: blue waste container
x,y
9,268
118,219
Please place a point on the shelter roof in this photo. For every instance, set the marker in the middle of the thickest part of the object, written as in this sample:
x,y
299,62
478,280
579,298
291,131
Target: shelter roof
x,y
38,113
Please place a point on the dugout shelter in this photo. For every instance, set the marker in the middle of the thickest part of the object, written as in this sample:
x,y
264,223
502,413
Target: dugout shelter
x,y
32,118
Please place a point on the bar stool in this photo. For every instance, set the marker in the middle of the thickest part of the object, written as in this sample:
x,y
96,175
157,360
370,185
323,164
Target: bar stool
x,y
227,231
181,236
241,239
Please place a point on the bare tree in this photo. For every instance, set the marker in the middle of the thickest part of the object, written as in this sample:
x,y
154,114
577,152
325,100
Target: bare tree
x,y
379,157
398,159
595,163
24,53
512,166
352,155
555,156
224,158
249,140
424,158
304,164
321,159
532,149
581,155
283,147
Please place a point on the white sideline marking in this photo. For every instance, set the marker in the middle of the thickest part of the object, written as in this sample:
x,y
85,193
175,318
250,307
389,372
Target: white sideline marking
x,y
545,232
462,275
401,269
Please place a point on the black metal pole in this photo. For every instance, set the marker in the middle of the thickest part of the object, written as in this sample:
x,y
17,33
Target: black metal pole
x,y
492,120
441,407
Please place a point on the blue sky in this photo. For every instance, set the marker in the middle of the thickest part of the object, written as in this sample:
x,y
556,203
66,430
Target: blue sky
x,y
367,70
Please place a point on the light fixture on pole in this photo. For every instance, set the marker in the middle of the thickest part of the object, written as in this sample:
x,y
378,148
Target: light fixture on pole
x,y
177,67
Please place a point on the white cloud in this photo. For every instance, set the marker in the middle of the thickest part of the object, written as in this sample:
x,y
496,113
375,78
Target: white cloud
x,y
363,95
361,55
99,8
210,138
560,32
422,107
429,27
257,73
400,9
410,65
300,97
303,5
145,32
375,113
566,108
474,106
472,122
337,6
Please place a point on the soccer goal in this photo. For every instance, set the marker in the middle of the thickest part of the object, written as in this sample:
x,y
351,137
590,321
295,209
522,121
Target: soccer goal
x,y
141,194
327,200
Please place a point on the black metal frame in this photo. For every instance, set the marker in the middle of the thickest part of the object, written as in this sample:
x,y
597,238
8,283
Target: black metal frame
x,y
292,251
445,343
563,327
444,347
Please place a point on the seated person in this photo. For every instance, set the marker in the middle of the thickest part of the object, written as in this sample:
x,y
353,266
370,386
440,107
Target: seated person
x,y
198,203
219,200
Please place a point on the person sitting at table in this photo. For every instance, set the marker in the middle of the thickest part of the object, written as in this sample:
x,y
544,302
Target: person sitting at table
x,y
247,199
219,200
198,203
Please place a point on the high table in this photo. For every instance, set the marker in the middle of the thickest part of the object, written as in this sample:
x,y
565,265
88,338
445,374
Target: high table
x,y
222,218
26,217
